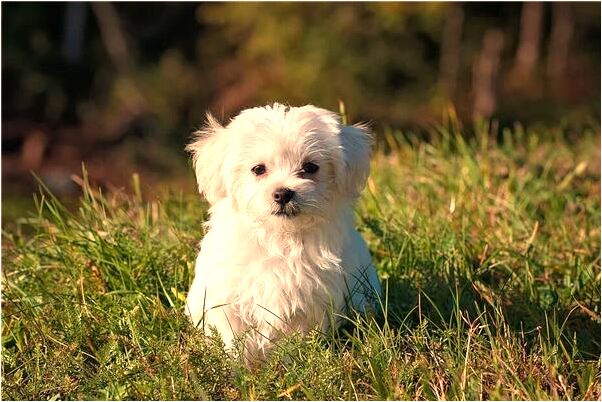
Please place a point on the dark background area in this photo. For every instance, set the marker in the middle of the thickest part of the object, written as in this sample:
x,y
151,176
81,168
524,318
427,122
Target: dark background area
x,y
120,86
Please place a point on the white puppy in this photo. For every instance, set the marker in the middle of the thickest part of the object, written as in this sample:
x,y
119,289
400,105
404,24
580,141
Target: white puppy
x,y
281,253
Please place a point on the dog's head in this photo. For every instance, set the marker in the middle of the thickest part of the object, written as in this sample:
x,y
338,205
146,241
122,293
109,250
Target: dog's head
x,y
279,164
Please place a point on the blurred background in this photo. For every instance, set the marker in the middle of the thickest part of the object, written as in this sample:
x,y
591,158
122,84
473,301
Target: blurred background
x,y
120,86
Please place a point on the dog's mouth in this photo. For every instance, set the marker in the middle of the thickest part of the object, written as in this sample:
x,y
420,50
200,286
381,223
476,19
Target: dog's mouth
x,y
286,211
284,214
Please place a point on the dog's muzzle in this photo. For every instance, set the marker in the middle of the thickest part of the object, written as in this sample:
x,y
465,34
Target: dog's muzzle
x,y
284,203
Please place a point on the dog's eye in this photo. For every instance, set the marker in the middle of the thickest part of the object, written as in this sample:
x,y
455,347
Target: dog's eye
x,y
310,168
258,170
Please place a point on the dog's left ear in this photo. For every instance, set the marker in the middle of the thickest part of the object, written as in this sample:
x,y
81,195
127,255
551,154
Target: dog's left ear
x,y
356,142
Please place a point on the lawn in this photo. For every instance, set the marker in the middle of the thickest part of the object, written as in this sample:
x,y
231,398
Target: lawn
x,y
488,244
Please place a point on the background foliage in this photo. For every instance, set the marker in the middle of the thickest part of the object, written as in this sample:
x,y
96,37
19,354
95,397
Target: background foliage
x,y
121,85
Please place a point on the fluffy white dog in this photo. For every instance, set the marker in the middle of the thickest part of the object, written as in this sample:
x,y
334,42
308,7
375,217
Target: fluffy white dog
x,y
281,253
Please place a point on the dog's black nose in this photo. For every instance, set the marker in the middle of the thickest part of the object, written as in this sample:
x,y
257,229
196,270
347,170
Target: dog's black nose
x,y
283,195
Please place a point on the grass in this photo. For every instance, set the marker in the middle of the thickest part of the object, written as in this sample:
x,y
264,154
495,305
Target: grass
x,y
489,248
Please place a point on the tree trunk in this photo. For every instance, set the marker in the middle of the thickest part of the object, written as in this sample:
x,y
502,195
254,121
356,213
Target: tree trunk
x,y
527,53
73,35
485,73
450,50
558,50
113,36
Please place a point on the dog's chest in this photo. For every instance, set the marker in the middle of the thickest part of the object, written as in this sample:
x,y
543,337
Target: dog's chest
x,y
295,281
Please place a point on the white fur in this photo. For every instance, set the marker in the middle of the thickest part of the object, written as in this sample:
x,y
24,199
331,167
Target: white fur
x,y
263,275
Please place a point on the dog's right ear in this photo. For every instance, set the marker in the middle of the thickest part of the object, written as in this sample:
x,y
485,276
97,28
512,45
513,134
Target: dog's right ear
x,y
209,149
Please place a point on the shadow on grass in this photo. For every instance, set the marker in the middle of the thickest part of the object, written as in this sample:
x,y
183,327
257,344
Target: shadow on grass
x,y
442,299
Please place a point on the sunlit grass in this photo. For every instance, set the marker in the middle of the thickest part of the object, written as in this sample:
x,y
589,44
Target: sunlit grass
x,y
488,247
